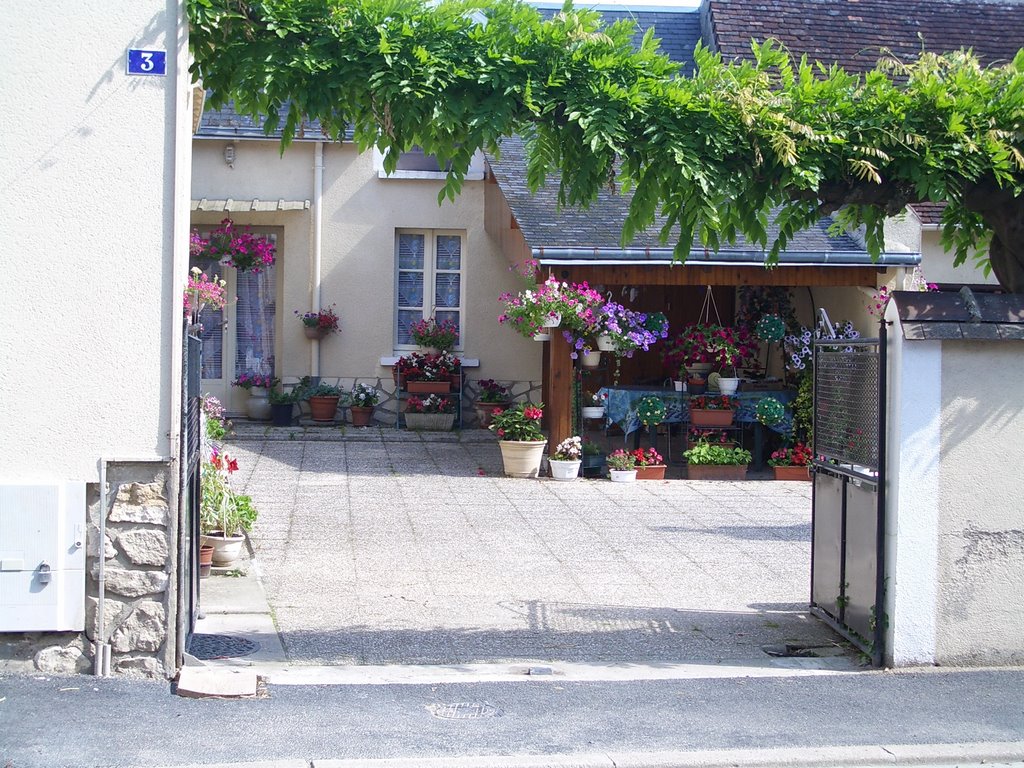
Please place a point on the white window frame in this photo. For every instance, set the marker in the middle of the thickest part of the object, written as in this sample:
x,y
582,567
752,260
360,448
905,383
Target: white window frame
x,y
429,284
475,172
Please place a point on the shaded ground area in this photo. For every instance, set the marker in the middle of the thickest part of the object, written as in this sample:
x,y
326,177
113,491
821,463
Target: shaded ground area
x,y
385,547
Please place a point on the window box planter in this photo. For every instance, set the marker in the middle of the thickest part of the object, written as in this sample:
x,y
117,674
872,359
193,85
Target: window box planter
x,y
721,417
428,387
717,472
651,472
433,422
791,473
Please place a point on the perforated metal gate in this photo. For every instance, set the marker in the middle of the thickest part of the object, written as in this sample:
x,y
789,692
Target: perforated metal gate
x,y
848,522
188,523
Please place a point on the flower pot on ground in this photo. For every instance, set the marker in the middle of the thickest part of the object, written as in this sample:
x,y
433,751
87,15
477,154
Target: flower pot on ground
x,y
224,516
363,399
205,560
258,386
433,412
566,460
282,407
791,463
649,464
323,402
593,459
621,466
522,443
713,462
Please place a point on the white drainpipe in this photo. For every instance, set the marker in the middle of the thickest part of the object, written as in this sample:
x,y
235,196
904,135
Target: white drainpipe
x,y
318,198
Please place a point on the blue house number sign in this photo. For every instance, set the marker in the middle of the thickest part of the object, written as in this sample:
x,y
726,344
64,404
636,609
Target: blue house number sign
x,y
146,62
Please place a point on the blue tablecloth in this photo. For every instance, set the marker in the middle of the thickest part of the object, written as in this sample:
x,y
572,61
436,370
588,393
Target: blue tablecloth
x,y
620,406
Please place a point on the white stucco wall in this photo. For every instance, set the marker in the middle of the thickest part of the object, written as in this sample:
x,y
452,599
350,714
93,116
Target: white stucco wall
x,y
937,264
361,213
981,498
91,303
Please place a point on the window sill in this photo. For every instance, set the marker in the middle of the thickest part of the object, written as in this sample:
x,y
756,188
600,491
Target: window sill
x,y
467,362
439,175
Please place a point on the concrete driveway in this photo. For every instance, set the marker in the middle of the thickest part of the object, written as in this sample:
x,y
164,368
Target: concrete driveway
x,y
383,547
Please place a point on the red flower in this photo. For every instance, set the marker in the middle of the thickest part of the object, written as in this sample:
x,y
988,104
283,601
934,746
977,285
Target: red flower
x,y
533,413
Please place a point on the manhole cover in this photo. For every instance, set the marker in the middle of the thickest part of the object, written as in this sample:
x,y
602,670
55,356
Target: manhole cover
x,y
207,647
472,710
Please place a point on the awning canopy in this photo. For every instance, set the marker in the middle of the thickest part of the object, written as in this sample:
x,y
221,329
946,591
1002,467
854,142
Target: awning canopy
x,y
249,206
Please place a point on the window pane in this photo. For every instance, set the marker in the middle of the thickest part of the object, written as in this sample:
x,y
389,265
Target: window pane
x,y
407,317
453,316
446,292
254,322
410,251
449,252
212,320
410,289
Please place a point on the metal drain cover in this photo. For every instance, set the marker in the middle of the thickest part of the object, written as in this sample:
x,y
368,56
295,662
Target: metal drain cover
x,y
464,710
208,647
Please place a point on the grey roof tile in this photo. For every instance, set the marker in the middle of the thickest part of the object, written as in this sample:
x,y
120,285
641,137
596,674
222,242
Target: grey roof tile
x,y
226,123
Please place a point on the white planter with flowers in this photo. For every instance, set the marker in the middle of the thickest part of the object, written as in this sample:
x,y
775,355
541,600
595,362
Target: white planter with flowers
x,y
565,462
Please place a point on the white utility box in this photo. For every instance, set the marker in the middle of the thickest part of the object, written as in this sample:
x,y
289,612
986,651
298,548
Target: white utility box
x,y
42,557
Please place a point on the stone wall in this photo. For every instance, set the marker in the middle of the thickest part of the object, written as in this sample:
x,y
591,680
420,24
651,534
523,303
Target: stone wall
x,y
140,573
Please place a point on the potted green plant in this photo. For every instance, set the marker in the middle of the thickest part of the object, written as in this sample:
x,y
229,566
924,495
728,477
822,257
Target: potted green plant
x,y
224,516
323,402
566,460
363,399
791,463
317,325
435,336
621,466
520,439
707,461
282,406
649,464
432,412
492,398
711,410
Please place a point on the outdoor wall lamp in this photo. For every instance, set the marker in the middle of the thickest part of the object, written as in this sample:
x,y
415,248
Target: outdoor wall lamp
x,y
229,154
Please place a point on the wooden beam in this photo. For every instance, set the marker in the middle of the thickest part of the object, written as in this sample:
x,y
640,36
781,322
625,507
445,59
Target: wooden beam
x,y
650,274
560,380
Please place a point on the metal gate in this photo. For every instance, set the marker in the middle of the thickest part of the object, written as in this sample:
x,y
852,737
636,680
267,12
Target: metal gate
x,y
188,524
848,520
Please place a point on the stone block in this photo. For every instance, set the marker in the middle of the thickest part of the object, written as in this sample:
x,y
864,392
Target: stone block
x,y
114,612
217,682
135,583
144,547
144,630
139,666
62,660
140,503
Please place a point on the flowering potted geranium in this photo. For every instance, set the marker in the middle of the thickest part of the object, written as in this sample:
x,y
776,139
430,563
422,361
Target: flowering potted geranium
x,y
712,410
566,460
791,463
433,412
363,399
317,325
435,336
203,291
430,373
234,246
491,398
649,464
621,466
520,439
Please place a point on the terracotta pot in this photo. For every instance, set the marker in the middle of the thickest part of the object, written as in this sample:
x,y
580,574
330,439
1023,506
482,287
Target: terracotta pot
x,y
791,473
485,412
651,472
205,560
362,416
429,387
522,457
717,472
323,408
701,417
696,385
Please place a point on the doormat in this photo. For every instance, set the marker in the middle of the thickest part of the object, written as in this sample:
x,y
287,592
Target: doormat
x,y
209,647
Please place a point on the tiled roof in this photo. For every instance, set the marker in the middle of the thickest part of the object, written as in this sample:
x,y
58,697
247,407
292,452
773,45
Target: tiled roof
x,y
854,32
678,30
929,213
600,225
960,315
226,123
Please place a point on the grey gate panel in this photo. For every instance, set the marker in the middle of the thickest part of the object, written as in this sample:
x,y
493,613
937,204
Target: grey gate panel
x,y
848,519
